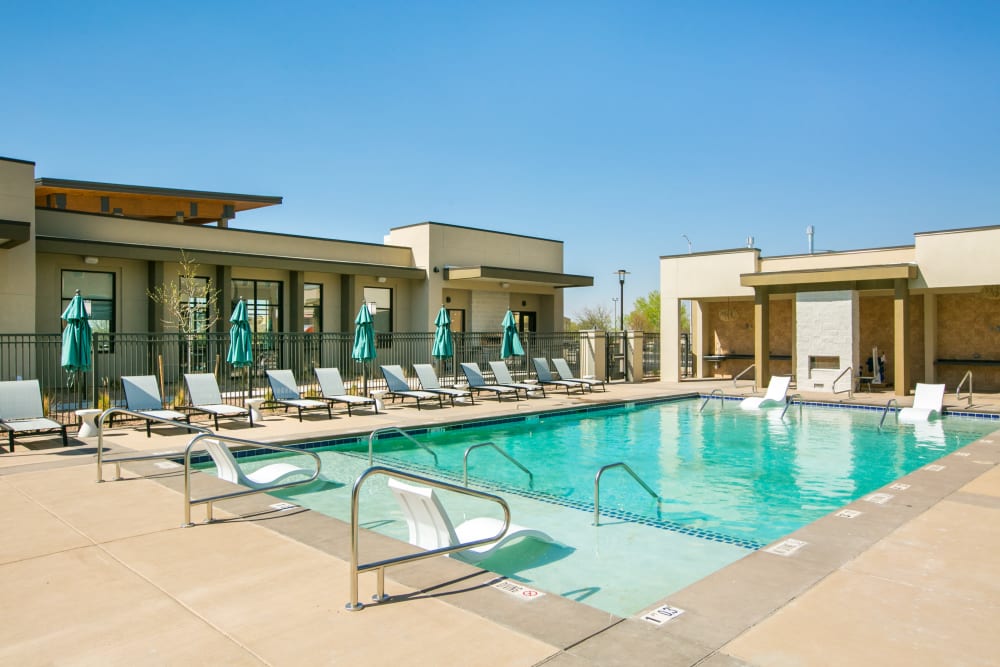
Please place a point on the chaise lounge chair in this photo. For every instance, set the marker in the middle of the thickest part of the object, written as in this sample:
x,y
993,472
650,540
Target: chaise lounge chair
x,y
927,400
396,382
775,395
545,376
332,388
21,411
503,377
204,396
272,474
142,394
429,382
478,384
285,390
431,528
565,373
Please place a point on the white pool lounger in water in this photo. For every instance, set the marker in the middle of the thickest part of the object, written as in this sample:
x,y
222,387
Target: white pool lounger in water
x,y
775,396
927,400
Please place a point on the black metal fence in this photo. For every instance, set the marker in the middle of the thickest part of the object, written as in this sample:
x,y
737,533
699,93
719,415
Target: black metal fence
x,y
650,354
169,356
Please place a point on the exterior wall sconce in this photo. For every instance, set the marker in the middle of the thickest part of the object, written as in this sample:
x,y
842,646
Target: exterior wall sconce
x,y
90,260
437,270
381,279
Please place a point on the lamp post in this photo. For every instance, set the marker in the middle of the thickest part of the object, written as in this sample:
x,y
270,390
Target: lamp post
x,y
621,301
685,237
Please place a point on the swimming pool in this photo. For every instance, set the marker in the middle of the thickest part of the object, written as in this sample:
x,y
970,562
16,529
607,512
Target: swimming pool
x,y
731,481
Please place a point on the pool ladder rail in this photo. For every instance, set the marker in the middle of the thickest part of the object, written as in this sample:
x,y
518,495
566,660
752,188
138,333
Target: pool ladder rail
x,y
788,403
465,463
373,436
379,566
958,390
628,469
721,394
885,412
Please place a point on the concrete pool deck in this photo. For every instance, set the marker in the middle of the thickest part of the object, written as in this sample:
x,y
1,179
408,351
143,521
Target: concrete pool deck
x,y
104,574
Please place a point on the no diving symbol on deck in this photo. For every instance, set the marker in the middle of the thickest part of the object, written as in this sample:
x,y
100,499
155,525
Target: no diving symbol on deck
x,y
516,590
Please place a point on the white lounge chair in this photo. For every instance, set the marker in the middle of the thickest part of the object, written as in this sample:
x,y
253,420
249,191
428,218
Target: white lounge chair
x,y
775,395
228,470
204,396
927,400
545,376
332,388
285,391
21,410
430,527
503,377
429,382
565,373
396,382
142,394
478,384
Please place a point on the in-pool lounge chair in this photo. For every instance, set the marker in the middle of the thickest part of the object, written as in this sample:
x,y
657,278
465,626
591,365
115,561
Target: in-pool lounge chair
x,y
429,382
431,528
927,400
142,394
285,391
332,387
204,396
478,384
396,382
565,373
775,395
21,411
272,474
545,376
503,377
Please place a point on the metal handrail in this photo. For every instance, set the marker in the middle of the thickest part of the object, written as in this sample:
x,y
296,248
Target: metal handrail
x,y
722,395
788,403
885,411
465,463
850,385
384,429
744,372
210,500
379,566
134,457
958,391
597,489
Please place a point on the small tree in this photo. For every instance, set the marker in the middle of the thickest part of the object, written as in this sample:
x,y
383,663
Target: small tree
x,y
593,317
645,315
191,303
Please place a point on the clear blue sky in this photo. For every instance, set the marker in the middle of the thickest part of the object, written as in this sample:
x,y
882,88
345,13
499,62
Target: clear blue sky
x,y
615,126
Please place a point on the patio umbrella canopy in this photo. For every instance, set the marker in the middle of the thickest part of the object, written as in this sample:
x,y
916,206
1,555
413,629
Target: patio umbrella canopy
x,y
364,336
76,336
511,346
443,346
240,353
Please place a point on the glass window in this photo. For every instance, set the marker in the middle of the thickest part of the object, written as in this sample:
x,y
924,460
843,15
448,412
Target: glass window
x,y
197,306
98,292
263,298
382,318
313,301
526,322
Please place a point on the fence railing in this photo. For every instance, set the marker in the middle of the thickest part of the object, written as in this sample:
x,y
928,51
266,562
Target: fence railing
x,y
170,355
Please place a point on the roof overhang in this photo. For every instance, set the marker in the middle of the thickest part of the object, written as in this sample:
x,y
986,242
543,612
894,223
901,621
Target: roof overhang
x,y
524,276
170,254
852,277
13,233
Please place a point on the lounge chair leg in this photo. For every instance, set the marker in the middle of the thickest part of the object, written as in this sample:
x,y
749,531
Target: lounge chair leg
x,y
65,439
11,436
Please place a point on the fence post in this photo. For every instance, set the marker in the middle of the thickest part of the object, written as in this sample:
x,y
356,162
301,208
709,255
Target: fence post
x,y
634,364
593,354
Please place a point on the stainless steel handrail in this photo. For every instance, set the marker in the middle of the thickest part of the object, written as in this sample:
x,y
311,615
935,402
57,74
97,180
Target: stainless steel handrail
x,y
210,500
885,411
384,429
597,489
788,403
850,385
134,457
722,395
465,463
958,390
744,372
379,566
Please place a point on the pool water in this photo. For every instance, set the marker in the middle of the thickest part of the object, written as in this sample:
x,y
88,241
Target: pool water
x,y
730,482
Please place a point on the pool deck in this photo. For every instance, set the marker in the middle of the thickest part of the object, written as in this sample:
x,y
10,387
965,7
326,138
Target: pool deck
x,y
105,574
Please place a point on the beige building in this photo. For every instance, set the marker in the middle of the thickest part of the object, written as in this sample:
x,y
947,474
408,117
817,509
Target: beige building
x,y
931,308
115,242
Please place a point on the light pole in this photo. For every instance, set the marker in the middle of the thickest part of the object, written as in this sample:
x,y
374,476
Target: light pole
x,y
621,302
685,237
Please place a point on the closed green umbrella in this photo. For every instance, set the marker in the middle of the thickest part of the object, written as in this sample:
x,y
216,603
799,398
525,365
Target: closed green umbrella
x,y
240,352
76,336
442,336
511,343
364,341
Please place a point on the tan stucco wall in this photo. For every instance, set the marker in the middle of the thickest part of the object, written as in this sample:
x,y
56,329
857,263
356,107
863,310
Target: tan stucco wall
x,y
833,260
968,328
958,258
131,277
17,265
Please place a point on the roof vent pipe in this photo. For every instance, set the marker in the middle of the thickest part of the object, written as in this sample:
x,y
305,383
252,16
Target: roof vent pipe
x,y
810,232
749,241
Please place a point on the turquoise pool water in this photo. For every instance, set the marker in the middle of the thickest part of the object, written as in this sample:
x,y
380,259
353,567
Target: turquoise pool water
x,y
730,481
